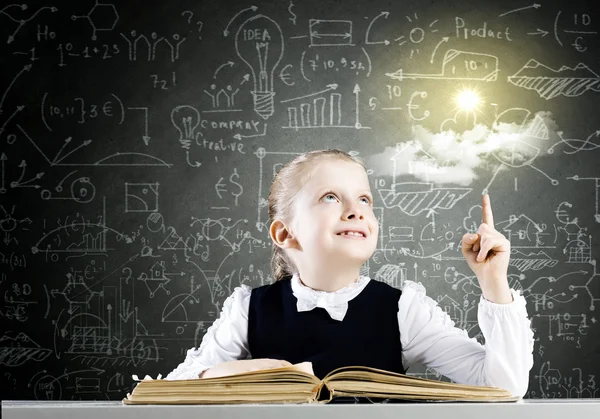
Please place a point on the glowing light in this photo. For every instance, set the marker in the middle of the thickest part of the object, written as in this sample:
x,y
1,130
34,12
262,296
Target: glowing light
x,y
468,100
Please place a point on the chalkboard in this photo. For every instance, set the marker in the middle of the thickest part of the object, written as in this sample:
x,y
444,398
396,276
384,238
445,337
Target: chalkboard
x,y
138,141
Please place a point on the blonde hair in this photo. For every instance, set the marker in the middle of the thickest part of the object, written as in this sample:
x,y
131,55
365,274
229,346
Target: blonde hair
x,y
286,184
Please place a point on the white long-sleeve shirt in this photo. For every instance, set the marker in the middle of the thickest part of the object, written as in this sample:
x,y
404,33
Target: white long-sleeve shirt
x,y
427,335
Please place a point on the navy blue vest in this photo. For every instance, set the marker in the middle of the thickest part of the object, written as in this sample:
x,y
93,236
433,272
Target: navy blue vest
x,y
367,336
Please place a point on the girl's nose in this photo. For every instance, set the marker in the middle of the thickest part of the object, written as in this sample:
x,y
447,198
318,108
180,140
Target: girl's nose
x,y
352,213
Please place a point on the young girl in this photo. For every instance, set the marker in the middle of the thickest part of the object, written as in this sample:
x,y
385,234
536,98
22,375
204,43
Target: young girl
x,y
320,309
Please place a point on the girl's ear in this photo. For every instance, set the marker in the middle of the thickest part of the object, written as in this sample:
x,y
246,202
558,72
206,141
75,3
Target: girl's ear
x,y
281,235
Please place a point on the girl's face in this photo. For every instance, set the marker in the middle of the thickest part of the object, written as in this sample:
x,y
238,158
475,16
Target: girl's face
x,y
333,219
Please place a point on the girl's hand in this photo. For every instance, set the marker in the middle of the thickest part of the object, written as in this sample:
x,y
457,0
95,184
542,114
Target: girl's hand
x,y
244,365
487,253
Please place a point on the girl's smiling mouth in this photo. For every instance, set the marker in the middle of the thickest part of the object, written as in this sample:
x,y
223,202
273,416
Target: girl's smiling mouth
x,y
352,234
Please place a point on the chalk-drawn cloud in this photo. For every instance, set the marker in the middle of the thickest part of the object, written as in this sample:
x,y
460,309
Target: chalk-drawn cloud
x,y
449,157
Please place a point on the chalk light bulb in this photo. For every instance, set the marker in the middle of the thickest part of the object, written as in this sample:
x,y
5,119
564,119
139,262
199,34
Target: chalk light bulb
x,y
259,43
186,119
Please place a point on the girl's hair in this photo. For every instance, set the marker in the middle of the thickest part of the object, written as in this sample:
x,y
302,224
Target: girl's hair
x,y
286,184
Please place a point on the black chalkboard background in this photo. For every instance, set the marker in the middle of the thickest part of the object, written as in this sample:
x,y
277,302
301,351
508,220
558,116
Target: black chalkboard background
x,y
138,141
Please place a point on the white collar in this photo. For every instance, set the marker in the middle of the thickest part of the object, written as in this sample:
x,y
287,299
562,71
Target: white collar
x,y
336,302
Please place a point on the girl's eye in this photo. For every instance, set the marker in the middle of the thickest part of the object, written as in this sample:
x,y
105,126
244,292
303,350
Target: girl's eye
x,y
327,197
366,200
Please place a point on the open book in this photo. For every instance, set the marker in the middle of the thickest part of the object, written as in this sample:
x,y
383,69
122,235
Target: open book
x,y
298,384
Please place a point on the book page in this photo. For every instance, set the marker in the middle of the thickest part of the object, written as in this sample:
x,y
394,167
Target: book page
x,y
303,367
365,379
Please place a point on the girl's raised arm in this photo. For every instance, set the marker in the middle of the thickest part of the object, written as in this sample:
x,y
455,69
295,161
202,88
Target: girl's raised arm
x,y
429,337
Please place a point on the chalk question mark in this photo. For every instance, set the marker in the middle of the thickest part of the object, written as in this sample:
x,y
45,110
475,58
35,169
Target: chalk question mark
x,y
189,20
191,14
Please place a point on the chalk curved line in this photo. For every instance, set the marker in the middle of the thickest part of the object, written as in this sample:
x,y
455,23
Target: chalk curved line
x,y
145,205
164,163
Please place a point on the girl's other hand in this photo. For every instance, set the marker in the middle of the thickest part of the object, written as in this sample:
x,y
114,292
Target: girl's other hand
x,y
243,365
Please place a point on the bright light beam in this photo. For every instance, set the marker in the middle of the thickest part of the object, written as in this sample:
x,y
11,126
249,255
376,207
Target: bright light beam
x,y
468,100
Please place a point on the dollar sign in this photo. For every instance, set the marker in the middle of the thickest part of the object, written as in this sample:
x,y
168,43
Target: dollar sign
x,y
236,194
293,18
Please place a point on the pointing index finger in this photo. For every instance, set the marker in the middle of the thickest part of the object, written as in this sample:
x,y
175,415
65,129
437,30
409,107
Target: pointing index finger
x,y
486,211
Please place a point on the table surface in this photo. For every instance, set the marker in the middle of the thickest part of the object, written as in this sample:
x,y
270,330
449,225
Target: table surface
x,y
525,409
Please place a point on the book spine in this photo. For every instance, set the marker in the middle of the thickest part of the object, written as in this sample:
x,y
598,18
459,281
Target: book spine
x,y
319,390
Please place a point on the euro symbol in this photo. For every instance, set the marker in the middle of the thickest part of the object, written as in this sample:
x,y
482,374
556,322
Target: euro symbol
x,y
423,95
